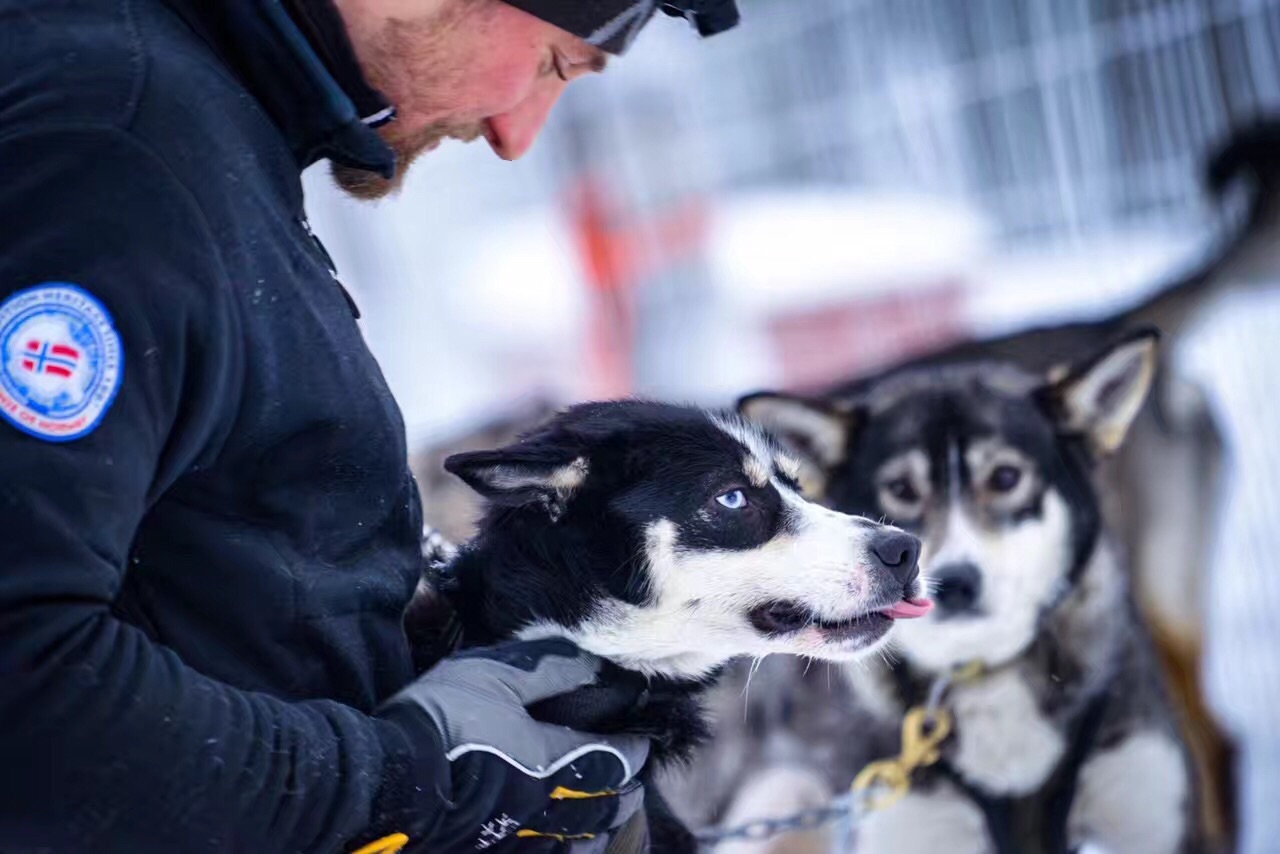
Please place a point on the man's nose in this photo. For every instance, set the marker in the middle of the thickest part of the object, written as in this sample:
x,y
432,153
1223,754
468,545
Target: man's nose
x,y
512,133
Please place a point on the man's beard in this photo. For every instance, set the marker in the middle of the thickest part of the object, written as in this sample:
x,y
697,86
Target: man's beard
x,y
414,50
370,186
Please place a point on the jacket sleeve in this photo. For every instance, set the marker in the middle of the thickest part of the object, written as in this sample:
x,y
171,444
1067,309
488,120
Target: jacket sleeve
x,y
108,741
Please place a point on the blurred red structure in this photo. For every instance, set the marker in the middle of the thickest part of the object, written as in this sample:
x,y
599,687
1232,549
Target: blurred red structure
x,y
836,342
618,250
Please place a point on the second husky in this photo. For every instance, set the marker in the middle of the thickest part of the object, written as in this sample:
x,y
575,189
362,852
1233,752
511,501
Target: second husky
x,y
1064,736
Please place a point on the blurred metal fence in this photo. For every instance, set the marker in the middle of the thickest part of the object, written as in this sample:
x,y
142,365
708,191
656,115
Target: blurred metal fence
x,y
1057,121
1056,118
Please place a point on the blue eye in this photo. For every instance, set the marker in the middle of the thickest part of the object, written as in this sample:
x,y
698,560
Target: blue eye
x,y
734,500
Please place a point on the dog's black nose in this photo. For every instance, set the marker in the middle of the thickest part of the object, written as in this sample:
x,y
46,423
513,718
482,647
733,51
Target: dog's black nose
x,y
897,552
957,587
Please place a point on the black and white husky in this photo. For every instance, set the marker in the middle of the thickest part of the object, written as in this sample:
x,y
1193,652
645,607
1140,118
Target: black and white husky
x,y
1065,737
668,540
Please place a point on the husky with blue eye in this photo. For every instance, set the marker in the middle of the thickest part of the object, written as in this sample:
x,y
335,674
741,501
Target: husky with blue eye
x,y
1065,736
668,540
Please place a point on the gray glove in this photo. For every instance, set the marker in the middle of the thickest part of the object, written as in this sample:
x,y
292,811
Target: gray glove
x,y
514,781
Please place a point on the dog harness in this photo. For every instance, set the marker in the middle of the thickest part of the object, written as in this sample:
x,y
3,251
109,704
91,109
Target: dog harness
x,y
1031,823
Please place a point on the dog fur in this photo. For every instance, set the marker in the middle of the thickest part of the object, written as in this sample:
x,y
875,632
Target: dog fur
x,y
993,467
1155,493
797,713
668,540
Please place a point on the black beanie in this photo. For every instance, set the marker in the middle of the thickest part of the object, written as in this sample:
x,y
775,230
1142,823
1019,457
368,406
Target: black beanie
x,y
612,25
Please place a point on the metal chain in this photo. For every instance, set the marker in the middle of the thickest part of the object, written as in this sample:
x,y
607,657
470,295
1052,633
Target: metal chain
x,y
767,828
847,808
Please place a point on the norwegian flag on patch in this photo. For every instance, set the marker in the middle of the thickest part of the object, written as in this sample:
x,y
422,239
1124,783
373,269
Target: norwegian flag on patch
x,y
42,357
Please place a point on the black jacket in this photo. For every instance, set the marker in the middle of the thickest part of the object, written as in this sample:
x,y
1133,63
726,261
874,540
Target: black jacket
x,y
201,578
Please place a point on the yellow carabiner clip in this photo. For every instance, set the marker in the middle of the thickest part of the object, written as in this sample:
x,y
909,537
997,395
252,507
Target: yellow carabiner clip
x,y
922,736
887,775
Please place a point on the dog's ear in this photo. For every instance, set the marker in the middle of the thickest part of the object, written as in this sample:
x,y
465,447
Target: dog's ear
x,y
1100,396
818,431
523,473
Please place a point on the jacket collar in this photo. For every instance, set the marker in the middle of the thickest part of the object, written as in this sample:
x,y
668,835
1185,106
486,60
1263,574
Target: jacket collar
x,y
302,70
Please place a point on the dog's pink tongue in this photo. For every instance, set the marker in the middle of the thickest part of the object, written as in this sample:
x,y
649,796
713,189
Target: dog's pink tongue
x,y
909,609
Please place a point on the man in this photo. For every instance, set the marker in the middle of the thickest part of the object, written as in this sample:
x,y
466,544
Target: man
x,y
208,531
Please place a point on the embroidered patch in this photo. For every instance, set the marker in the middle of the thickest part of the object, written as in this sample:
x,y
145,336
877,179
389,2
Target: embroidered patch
x,y
60,361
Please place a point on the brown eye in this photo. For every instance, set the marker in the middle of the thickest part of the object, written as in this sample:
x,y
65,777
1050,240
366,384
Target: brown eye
x,y
1004,479
902,490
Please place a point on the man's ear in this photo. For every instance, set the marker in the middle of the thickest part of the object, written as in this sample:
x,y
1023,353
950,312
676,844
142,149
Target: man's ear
x,y
1100,396
818,431
521,474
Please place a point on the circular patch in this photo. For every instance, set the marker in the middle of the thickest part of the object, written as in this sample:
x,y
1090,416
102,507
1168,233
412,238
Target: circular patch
x,y
60,361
